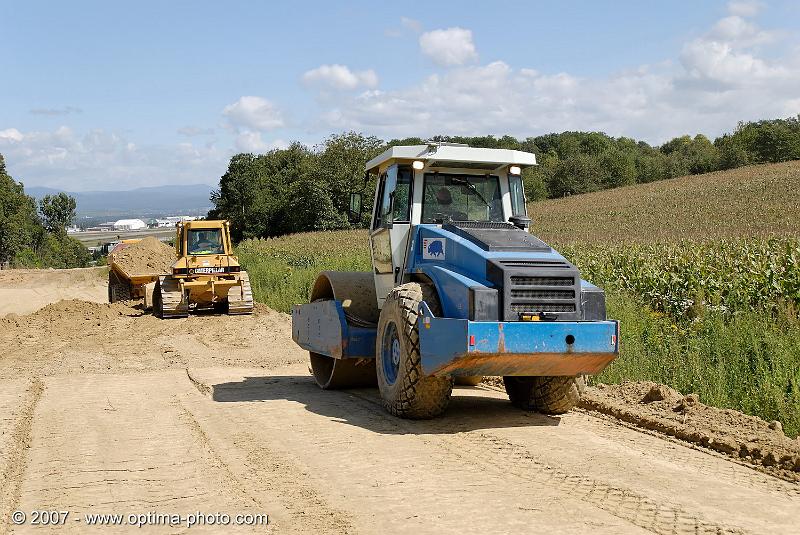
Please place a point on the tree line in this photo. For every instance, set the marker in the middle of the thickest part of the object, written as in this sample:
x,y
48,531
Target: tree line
x,y
34,234
303,188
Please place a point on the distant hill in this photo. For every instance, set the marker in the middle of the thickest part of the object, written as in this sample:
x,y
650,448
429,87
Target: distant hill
x,y
152,201
757,200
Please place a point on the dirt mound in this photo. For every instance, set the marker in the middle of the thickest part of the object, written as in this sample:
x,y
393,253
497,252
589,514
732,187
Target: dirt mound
x,y
64,315
149,256
660,408
81,336
73,309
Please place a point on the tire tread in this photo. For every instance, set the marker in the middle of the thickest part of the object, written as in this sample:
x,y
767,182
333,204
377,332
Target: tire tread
x,y
419,396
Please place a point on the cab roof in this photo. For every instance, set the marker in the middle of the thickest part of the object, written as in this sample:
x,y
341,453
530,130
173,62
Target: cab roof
x,y
452,155
203,224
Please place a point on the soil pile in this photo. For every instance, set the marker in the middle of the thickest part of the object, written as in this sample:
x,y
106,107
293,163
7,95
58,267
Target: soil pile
x,y
660,408
74,336
63,317
72,310
146,257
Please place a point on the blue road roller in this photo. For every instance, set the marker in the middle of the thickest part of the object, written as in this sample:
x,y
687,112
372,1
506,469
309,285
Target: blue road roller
x,y
459,289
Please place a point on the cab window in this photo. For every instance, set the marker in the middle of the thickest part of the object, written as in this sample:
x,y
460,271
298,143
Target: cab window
x,y
401,212
517,195
377,219
461,198
205,241
394,197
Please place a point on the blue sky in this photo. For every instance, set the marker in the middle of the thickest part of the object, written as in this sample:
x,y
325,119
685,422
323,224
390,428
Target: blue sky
x,y
102,95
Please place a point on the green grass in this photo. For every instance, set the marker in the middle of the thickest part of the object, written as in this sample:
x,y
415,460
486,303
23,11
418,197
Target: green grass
x,y
282,270
750,362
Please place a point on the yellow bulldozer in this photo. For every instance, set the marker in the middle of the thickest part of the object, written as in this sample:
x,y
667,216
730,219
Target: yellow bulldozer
x,y
206,274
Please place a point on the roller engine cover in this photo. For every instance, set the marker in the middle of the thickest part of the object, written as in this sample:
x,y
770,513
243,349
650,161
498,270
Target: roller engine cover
x,y
548,288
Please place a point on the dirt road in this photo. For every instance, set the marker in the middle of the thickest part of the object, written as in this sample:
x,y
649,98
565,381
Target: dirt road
x,y
106,410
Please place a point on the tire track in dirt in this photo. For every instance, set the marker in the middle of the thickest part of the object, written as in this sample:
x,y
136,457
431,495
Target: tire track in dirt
x,y
120,444
496,459
268,470
232,482
742,473
678,451
508,458
17,455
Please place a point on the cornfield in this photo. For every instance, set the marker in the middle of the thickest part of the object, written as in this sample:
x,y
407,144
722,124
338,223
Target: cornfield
x,y
686,279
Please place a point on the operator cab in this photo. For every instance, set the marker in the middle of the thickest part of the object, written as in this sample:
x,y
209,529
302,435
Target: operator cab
x,y
438,184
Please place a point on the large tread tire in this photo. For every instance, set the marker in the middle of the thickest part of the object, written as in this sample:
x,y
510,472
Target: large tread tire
x,y
118,289
411,394
548,395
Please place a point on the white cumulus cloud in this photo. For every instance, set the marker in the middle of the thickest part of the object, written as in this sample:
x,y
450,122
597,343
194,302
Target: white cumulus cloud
x,y
449,47
719,78
253,142
253,113
340,77
10,134
103,160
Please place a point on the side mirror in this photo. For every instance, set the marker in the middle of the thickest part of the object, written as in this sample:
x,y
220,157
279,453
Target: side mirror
x,y
354,212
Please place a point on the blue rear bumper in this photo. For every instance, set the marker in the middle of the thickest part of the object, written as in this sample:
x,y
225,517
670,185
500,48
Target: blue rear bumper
x,y
461,347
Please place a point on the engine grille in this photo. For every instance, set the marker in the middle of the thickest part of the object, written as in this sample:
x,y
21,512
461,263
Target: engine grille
x,y
542,281
533,308
542,294
529,286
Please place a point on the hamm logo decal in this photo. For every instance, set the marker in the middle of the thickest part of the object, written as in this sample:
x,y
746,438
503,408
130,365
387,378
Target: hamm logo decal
x,y
433,248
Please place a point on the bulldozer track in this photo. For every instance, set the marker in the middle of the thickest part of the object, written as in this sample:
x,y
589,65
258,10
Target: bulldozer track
x,y
171,302
240,299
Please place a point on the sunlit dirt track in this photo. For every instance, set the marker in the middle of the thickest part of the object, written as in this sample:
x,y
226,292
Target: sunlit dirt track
x,y
106,410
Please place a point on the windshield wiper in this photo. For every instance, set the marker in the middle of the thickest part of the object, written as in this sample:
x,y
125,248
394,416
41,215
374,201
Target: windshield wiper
x,y
471,187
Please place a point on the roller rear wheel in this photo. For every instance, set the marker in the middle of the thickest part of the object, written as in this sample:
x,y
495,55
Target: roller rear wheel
x,y
548,395
356,292
333,374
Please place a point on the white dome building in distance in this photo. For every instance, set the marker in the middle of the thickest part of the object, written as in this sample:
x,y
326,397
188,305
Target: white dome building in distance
x,y
129,224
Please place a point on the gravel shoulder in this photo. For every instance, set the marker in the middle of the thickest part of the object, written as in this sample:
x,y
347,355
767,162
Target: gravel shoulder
x,y
104,409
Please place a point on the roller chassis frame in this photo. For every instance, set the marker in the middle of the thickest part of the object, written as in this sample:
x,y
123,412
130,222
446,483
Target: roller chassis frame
x,y
459,347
